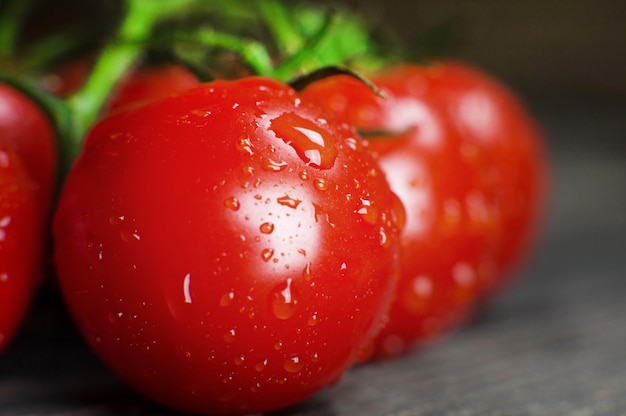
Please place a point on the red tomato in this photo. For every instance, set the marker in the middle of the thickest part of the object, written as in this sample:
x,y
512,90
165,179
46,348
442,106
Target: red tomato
x,y
470,195
27,183
151,82
228,249
21,242
26,130
144,83
491,117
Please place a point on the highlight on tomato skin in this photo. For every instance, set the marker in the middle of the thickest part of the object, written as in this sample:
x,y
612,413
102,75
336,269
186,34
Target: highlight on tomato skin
x,y
229,249
472,196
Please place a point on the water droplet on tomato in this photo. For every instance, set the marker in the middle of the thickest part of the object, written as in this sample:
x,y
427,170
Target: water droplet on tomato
x,y
244,145
312,320
267,254
239,360
229,336
312,143
352,143
306,272
293,364
384,239
232,203
274,166
227,298
321,184
283,300
304,175
267,228
288,201
260,366
368,211
278,346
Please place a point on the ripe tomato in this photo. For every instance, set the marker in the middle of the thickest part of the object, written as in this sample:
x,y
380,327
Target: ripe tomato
x,y
227,249
27,131
469,194
151,82
21,242
144,83
27,183
491,117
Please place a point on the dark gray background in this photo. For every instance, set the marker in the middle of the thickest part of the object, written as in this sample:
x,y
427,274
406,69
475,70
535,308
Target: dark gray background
x,y
555,344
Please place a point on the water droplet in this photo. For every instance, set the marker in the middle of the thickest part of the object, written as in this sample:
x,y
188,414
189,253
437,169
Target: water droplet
x,y
293,364
304,175
313,144
239,360
368,211
247,170
312,320
260,366
352,143
258,197
232,203
227,298
278,346
283,300
321,184
229,336
274,166
267,228
244,145
288,201
306,272
385,241
267,254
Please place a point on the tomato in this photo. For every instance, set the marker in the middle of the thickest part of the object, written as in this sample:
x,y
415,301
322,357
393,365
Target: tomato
x,y
143,83
27,184
28,132
469,189
151,82
228,249
21,242
489,115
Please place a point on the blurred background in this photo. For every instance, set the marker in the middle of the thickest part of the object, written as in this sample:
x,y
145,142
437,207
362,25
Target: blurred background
x,y
568,47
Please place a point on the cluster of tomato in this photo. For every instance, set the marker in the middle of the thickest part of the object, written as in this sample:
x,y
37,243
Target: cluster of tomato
x,y
235,246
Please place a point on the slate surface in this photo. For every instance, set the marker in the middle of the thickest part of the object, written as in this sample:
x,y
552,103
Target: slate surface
x,y
555,344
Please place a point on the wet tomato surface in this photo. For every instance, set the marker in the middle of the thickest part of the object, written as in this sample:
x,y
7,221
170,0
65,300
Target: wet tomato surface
x,y
228,249
464,157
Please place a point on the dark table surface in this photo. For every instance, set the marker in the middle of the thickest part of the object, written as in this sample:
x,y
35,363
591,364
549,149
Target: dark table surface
x,y
554,344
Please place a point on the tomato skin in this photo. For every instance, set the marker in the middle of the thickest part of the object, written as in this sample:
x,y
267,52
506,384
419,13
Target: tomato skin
x,y
461,189
489,115
151,82
21,242
27,183
227,250
28,132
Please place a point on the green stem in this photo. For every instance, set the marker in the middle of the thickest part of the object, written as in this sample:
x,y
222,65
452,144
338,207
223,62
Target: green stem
x,y
298,61
115,60
254,54
281,26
